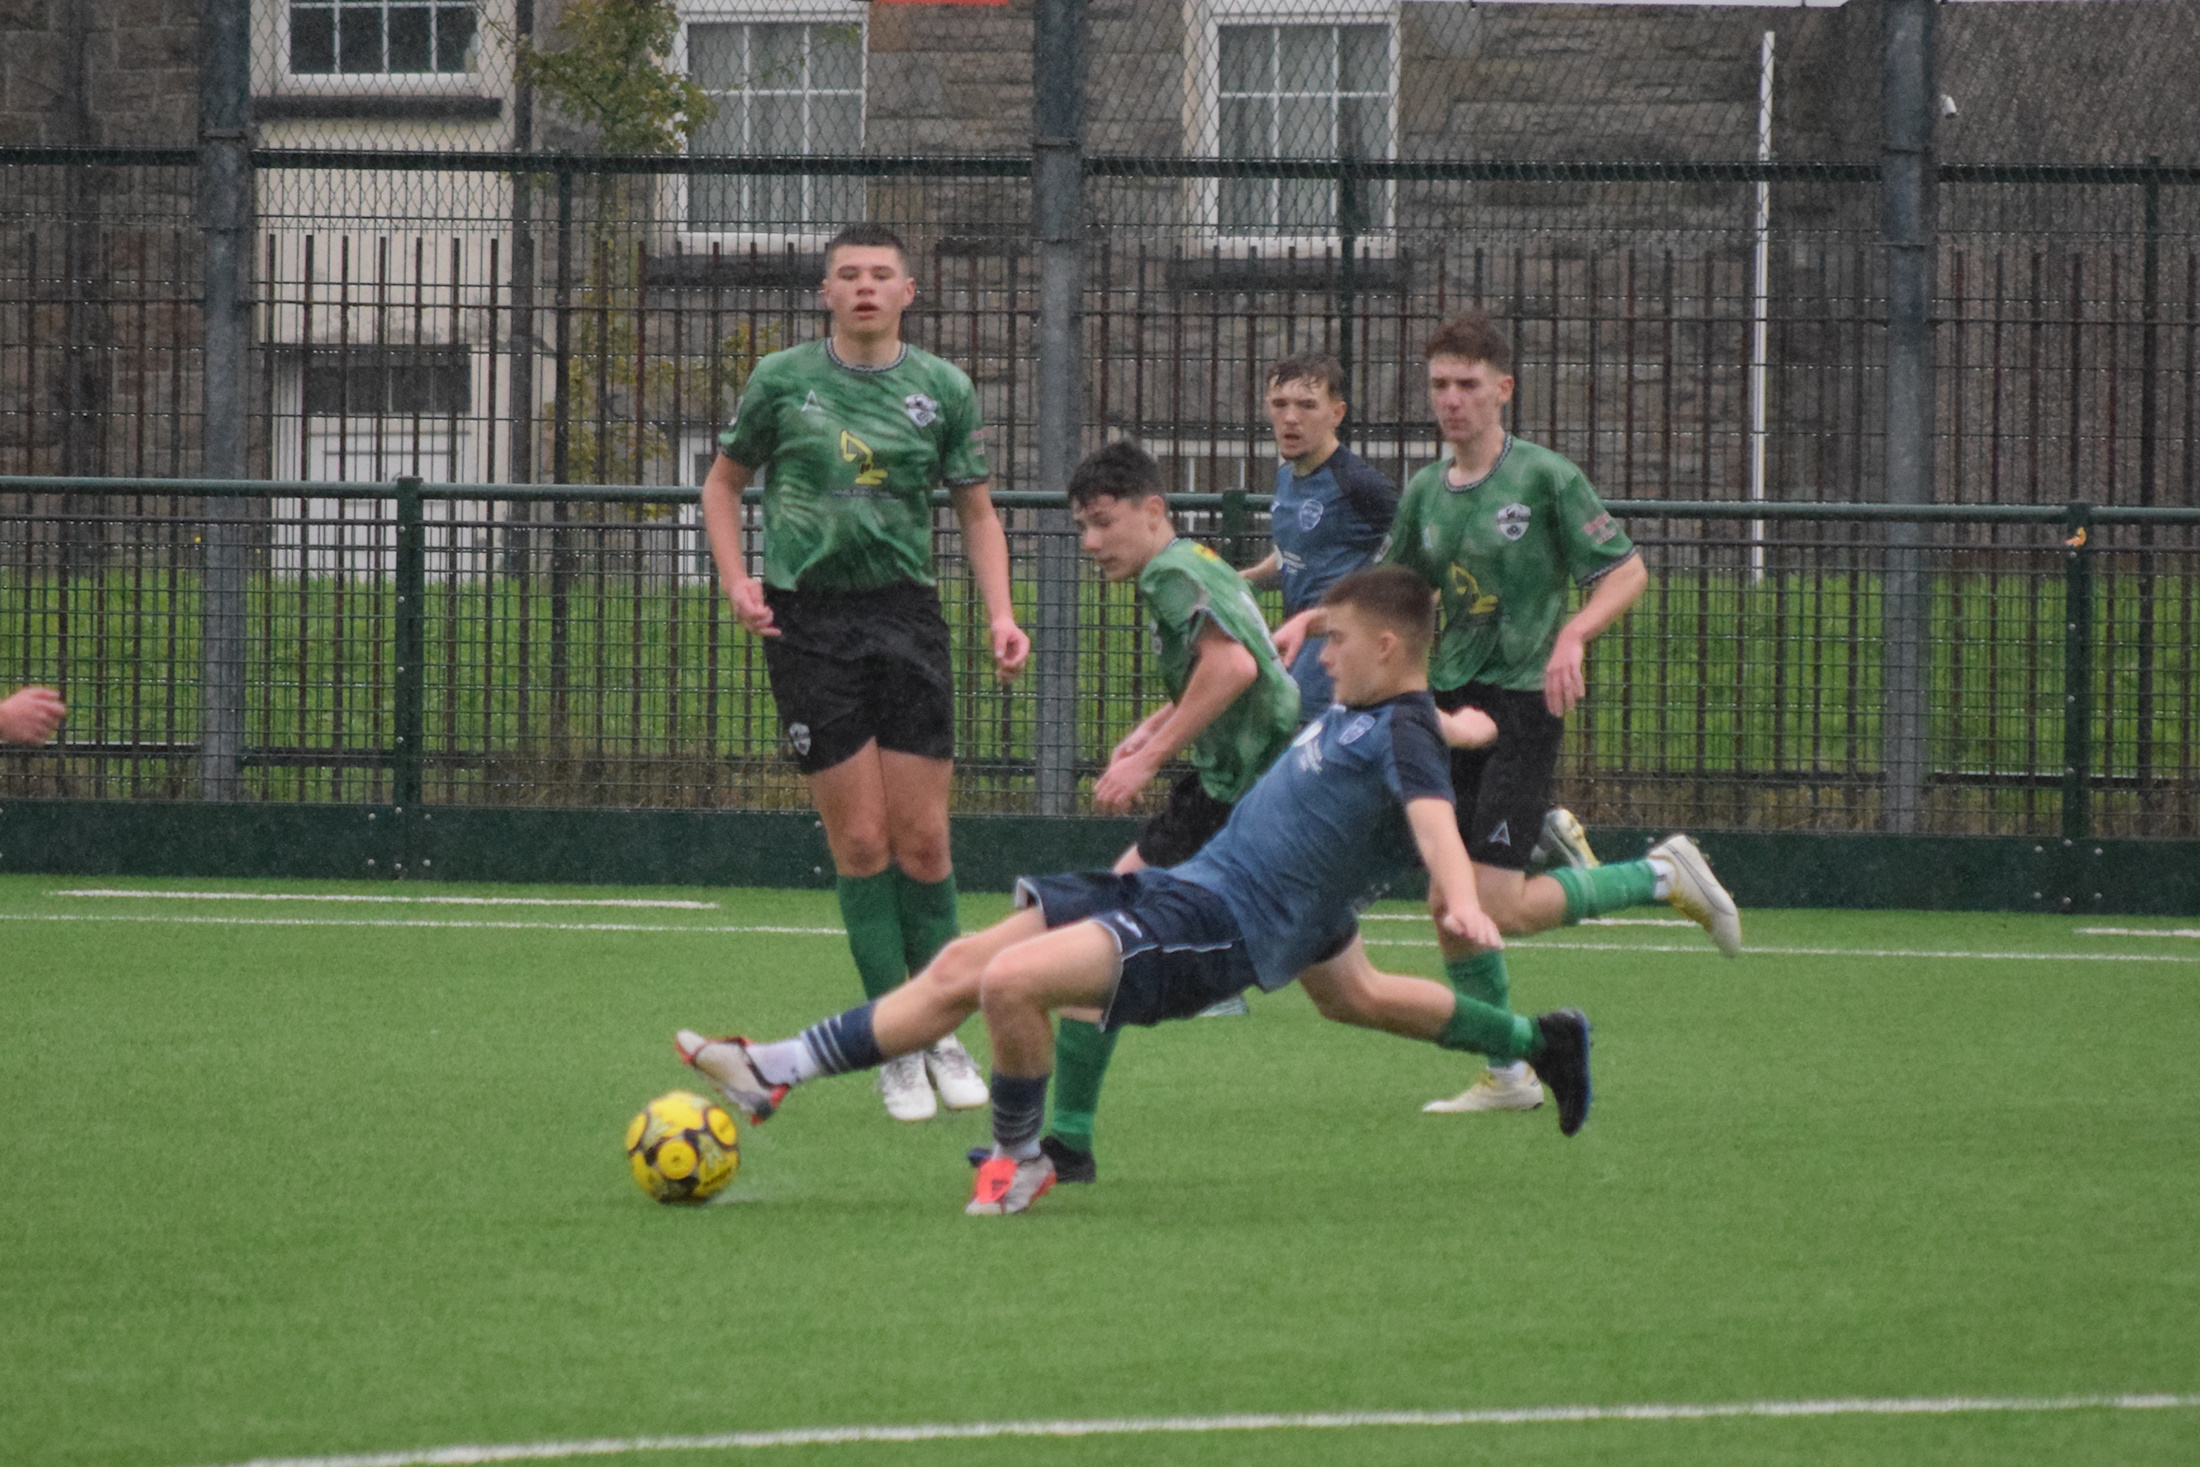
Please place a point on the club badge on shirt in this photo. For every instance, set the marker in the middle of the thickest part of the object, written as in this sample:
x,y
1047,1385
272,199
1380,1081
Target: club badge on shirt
x,y
921,409
1512,521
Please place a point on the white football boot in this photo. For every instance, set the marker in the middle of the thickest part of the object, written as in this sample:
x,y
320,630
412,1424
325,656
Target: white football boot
x,y
955,1075
1493,1092
908,1094
1697,895
725,1062
1562,842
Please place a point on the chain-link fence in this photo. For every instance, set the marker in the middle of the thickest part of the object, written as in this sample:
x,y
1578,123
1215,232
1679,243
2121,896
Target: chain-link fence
x,y
1679,214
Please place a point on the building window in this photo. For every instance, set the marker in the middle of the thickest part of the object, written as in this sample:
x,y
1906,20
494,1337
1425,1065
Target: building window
x,y
782,88
392,382
1297,90
382,37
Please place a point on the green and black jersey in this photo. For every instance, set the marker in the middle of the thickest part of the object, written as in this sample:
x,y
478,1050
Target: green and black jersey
x,y
1501,552
849,457
1182,587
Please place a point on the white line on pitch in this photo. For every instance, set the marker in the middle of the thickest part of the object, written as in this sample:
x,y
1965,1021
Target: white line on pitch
x,y
1537,944
451,901
815,1436
423,922
2139,931
1584,922
1530,944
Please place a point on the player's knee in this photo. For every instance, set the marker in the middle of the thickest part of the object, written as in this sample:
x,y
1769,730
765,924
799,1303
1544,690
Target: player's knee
x,y
956,969
860,846
923,851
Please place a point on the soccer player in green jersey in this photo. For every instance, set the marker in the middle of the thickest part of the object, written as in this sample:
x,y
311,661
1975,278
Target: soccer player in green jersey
x,y
849,436
1503,530
1232,709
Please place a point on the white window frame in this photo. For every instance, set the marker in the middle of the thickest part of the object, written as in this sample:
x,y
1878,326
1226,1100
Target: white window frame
x,y
1204,20
492,18
764,12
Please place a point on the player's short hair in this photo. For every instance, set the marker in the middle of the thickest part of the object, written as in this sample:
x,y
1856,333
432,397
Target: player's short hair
x,y
1393,596
1317,367
867,236
1122,470
1471,336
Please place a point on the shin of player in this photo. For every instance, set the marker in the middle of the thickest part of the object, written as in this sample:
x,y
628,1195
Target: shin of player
x,y
852,434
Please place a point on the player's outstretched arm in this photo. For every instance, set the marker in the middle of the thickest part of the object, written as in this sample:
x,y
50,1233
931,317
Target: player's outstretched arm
x,y
1563,678
1223,671
1452,899
1265,572
31,715
722,490
985,546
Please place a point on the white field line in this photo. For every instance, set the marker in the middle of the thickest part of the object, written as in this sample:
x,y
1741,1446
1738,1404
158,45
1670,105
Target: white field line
x,y
2139,931
427,922
1184,1425
1538,944
1526,944
1584,922
450,901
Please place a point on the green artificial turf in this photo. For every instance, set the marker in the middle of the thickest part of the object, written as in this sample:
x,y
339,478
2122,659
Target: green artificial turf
x,y
308,1189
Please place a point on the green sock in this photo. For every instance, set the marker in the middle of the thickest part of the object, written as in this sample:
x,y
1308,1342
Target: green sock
x,y
1484,1022
872,914
1481,978
927,916
1613,887
1486,1029
1081,1054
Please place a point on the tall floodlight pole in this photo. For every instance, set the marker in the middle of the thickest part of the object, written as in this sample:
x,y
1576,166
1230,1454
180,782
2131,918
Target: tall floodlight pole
x,y
225,219
1058,207
1910,225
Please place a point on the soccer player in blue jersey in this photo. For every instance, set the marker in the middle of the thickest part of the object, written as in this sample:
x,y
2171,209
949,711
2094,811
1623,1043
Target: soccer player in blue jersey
x,y
1332,511
1363,794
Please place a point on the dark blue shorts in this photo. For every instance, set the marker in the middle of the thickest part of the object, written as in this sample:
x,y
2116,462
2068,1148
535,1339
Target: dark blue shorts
x,y
1180,946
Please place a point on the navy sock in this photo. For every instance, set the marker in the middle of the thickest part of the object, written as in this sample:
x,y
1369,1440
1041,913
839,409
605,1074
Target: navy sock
x,y
844,1042
1019,1109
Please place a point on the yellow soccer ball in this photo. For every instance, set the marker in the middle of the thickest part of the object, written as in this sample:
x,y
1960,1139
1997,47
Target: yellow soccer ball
x,y
683,1148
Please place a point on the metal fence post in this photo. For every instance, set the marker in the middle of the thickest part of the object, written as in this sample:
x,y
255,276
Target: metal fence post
x,y
1058,207
2077,784
225,217
1908,223
410,694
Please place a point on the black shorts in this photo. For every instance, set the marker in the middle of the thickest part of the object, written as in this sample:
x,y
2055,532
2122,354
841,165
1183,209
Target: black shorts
x,y
851,666
1190,819
1180,947
1503,791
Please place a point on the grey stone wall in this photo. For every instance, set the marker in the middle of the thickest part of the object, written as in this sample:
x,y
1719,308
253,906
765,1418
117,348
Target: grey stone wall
x,y
113,72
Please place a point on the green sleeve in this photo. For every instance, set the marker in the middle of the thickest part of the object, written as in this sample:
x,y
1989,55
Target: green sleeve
x,y
962,438
753,436
1589,537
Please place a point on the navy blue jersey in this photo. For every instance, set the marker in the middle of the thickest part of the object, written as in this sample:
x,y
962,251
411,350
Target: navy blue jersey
x,y
1324,831
1328,524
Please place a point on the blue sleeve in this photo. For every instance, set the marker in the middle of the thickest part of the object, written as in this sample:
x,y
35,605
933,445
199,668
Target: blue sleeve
x,y
1372,496
1418,750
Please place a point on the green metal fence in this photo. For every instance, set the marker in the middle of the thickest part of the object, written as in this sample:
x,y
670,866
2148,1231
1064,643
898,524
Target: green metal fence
x,y
450,645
